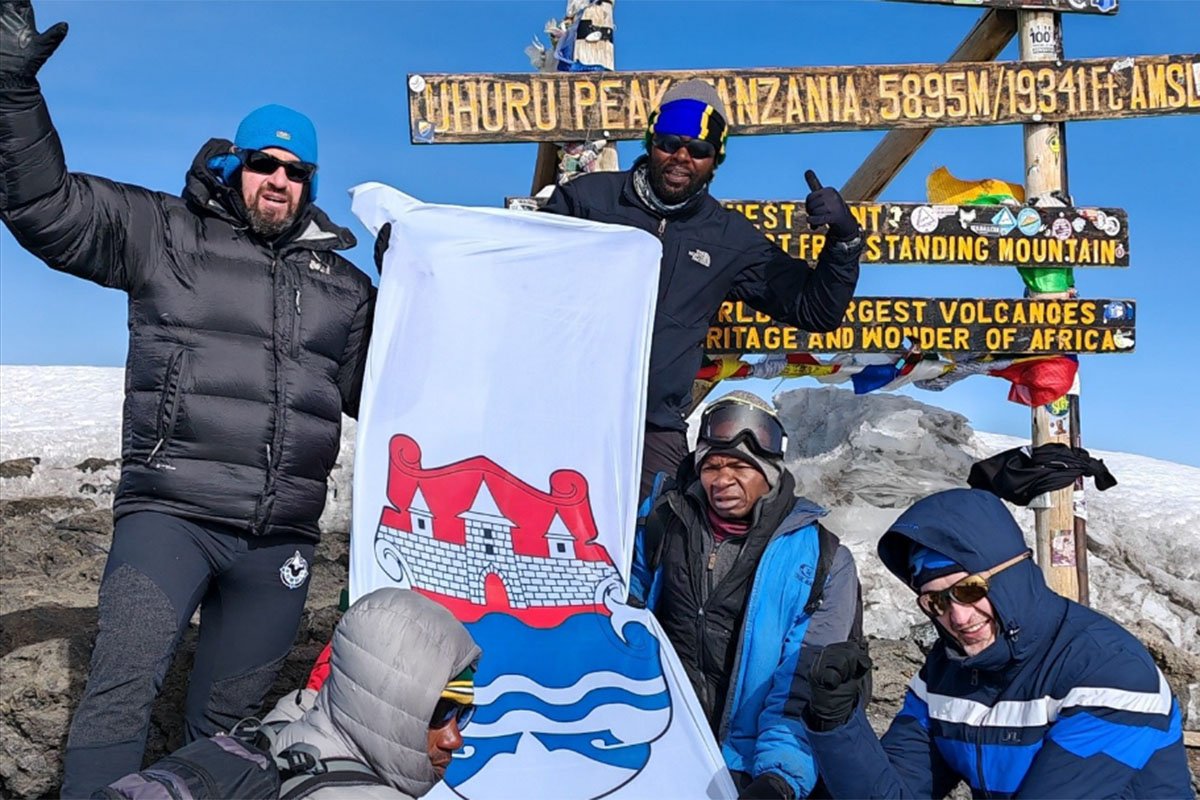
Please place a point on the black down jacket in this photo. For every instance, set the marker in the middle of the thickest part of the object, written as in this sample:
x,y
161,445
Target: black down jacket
x,y
242,353
709,254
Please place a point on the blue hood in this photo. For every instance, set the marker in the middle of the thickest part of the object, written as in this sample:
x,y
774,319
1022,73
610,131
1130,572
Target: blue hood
x,y
975,529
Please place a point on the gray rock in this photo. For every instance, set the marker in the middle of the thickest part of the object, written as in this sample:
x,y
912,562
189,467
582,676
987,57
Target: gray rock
x,y
19,467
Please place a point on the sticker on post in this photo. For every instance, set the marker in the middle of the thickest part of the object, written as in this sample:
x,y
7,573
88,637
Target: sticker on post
x,y
924,220
1029,221
1062,548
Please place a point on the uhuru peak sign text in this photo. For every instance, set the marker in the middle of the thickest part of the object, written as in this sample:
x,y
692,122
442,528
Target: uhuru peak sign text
x,y
549,107
945,325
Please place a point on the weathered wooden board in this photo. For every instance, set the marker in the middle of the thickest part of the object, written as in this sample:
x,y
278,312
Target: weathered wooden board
x,y
915,233
539,107
938,324
1109,7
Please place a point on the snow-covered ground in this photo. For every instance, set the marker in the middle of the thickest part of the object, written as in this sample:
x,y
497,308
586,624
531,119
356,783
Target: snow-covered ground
x,y
866,458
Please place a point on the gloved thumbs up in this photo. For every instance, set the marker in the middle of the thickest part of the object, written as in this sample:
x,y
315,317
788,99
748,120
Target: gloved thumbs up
x,y
835,681
825,206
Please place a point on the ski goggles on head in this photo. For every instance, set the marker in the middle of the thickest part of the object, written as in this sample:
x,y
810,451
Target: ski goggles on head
x,y
968,591
726,422
261,163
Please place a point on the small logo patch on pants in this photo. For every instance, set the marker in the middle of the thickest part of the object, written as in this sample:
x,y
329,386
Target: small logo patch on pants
x,y
294,571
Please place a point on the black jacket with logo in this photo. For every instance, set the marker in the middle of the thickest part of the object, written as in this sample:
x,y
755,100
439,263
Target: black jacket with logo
x,y
243,353
709,254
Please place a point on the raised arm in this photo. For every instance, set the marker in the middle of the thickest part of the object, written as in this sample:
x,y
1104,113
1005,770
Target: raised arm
x,y
87,226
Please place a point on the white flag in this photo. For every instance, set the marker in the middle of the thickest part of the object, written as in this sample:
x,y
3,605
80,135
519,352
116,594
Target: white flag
x,y
506,489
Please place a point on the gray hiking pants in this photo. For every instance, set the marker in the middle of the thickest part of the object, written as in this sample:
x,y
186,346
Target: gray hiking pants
x,y
250,591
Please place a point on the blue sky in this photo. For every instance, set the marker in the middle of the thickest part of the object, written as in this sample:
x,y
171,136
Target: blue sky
x,y
137,87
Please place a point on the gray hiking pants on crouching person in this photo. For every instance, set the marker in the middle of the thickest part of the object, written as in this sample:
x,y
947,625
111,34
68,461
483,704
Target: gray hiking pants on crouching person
x,y
250,591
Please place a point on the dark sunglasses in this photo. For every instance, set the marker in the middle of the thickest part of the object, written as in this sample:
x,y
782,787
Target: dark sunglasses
x,y
969,590
697,148
446,710
265,164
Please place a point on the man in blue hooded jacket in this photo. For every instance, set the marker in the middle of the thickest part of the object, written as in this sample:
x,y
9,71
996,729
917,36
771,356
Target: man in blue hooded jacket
x,y
1025,693
728,563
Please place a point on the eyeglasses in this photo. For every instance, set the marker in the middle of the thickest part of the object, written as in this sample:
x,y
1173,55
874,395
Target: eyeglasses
x,y
265,164
726,421
697,148
968,591
446,710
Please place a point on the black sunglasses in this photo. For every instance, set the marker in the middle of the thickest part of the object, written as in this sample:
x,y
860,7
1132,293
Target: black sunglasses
x,y
446,710
265,164
697,148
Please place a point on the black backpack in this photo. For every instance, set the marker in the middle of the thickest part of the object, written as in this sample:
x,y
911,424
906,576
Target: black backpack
x,y
240,765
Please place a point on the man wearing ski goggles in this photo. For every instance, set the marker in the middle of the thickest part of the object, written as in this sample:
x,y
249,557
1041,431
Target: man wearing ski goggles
x,y
1023,694
735,420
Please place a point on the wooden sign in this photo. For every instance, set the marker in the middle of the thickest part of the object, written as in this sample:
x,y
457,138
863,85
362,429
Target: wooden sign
x,y
555,107
1079,6
916,233
938,324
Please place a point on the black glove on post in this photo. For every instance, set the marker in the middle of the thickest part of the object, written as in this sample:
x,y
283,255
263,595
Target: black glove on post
x,y
767,786
835,681
381,245
22,49
825,206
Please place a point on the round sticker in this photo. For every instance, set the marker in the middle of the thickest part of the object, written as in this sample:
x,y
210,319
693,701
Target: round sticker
x,y
1120,250
1029,221
924,220
1100,220
1079,224
1112,226
416,83
1061,229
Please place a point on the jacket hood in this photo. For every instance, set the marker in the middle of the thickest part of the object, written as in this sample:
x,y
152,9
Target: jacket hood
x,y
975,529
692,206
207,193
393,653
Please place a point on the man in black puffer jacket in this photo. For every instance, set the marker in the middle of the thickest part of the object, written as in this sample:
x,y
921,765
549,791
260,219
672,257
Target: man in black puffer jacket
x,y
247,341
709,253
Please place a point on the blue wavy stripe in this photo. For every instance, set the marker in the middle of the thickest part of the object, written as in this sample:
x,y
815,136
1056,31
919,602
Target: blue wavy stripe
x,y
558,657
463,769
523,701
1004,765
631,757
1085,735
916,708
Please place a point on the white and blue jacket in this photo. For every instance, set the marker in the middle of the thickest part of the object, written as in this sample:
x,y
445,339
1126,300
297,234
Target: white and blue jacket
x,y
760,729
1064,704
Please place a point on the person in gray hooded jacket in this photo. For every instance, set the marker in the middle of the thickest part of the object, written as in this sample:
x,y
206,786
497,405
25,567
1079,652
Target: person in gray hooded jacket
x,y
399,687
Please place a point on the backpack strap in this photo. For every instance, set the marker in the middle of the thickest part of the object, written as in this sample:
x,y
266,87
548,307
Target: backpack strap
x,y
304,773
827,543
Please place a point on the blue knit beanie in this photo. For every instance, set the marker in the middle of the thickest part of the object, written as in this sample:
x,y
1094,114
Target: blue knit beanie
x,y
273,126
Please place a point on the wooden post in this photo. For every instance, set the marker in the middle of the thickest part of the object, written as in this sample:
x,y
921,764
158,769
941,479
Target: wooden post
x,y
596,16
1040,35
991,33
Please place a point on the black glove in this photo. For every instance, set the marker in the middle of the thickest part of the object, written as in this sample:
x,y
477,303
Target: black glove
x,y
835,681
825,206
381,245
767,786
22,49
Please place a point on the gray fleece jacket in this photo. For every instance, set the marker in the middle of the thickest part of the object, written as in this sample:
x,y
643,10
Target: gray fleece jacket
x,y
393,653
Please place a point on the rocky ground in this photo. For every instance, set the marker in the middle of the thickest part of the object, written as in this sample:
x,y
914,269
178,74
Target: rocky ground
x,y
52,551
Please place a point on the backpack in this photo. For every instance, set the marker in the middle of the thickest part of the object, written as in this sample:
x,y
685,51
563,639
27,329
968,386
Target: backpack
x,y
240,764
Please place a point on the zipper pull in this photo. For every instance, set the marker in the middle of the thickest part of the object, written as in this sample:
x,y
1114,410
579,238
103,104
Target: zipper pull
x,y
297,301
712,560
662,226
154,452
268,456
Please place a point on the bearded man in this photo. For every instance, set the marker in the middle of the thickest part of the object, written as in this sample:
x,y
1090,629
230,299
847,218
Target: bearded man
x,y
247,342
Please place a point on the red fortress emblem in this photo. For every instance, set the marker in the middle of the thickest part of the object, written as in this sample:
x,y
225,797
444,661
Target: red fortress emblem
x,y
478,539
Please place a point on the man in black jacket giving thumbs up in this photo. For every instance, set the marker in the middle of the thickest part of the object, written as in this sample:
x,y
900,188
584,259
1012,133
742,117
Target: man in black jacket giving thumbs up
x,y
709,254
